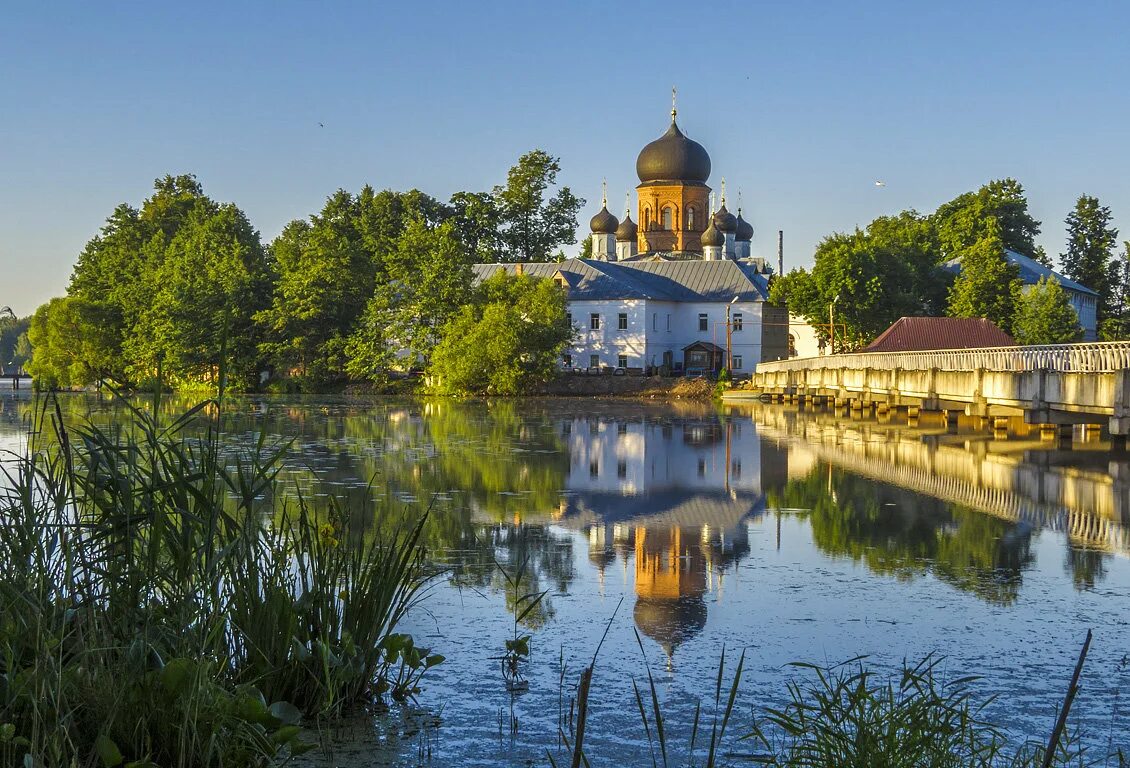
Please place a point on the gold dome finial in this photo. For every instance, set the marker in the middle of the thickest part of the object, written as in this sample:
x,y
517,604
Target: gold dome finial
x,y
673,110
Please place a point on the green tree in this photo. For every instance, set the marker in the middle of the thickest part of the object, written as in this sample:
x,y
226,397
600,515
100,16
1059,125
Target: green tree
x,y
428,279
1116,327
1089,259
999,209
477,220
988,284
214,277
532,225
13,330
586,248
506,342
1044,315
874,277
73,343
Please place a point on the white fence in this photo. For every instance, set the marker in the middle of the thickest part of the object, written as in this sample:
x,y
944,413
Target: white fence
x,y
1101,357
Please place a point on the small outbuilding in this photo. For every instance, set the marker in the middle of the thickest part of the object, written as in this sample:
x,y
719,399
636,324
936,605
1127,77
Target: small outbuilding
x,y
921,334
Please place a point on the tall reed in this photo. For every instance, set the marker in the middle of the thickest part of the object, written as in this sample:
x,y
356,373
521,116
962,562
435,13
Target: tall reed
x,y
159,604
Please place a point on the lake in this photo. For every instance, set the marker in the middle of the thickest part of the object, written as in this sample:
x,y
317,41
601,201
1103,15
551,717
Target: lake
x,y
789,535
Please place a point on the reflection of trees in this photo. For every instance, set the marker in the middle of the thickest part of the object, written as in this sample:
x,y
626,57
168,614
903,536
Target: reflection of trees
x,y
899,533
1086,566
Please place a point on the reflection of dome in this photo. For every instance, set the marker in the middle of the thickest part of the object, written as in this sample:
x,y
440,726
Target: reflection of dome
x,y
627,230
604,223
673,157
670,622
602,557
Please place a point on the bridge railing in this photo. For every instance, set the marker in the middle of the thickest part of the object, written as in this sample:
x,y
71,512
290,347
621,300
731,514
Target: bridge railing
x,y
1097,357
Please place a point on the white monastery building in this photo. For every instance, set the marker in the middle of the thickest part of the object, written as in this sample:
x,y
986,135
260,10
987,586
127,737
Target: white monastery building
x,y
681,292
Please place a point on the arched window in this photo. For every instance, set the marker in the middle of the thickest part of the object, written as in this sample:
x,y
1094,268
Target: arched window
x,y
668,219
690,218
646,219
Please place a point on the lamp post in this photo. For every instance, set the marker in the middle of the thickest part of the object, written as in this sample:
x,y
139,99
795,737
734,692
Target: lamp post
x,y
832,326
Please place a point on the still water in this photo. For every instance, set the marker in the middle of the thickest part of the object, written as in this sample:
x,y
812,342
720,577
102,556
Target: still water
x,y
790,536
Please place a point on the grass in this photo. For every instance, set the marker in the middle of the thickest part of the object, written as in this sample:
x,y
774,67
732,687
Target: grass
x,y
160,605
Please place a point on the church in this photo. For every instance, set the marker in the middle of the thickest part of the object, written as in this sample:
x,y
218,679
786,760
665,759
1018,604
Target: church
x,y
680,291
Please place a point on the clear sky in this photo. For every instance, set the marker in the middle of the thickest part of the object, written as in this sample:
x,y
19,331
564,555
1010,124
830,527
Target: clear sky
x,y
801,105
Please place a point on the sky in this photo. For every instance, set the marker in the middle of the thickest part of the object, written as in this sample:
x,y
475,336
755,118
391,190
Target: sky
x,y
802,106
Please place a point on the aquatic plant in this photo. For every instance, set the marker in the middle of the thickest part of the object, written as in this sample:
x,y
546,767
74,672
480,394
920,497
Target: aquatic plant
x,y
160,606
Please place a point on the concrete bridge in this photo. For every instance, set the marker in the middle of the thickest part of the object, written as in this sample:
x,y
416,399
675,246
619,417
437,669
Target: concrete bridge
x,y
1056,385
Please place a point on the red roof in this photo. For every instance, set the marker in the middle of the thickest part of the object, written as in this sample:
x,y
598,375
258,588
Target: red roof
x,y
913,334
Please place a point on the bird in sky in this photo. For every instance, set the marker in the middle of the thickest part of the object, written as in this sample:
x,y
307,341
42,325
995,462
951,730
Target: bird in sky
x,y
880,183
321,125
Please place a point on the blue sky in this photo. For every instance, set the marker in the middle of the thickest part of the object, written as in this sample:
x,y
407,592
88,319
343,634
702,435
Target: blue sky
x,y
802,105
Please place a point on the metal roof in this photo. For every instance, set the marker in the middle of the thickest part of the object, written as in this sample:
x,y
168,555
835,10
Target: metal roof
x,y
1030,272
916,334
592,280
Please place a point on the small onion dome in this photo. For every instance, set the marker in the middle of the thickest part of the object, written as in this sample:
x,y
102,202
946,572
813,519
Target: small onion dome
x,y
725,221
712,236
627,230
744,231
673,157
604,223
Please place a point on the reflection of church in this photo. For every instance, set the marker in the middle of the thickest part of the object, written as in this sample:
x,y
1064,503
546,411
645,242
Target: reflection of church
x,y
671,497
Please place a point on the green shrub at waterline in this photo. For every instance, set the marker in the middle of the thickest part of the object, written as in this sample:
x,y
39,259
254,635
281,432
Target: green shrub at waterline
x,y
156,609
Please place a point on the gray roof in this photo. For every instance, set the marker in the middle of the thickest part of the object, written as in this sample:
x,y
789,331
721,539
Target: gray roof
x,y
1030,272
591,280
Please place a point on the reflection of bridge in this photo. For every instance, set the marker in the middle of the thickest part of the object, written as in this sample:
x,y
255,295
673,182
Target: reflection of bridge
x,y
1091,507
1063,384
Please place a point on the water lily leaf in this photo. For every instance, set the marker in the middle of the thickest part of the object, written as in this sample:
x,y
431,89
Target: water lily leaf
x,y
108,751
286,712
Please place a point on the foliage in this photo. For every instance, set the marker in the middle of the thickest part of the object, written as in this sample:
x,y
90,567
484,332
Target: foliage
x,y
532,225
128,631
585,249
523,603
1116,326
1044,315
988,286
74,342
428,280
874,277
14,346
1089,258
505,342
998,209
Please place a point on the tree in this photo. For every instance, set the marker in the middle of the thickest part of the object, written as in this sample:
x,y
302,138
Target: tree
x,y
1000,209
988,284
530,225
73,343
1116,326
1044,315
1090,250
13,331
586,248
504,343
429,279
477,219
874,277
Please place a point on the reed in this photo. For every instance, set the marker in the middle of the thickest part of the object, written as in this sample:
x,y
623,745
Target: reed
x,y
159,604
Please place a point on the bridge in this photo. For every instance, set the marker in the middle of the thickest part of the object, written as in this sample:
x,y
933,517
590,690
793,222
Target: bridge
x,y
1063,384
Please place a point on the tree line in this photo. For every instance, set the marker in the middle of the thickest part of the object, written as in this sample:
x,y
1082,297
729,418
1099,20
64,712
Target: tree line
x,y
183,289
897,266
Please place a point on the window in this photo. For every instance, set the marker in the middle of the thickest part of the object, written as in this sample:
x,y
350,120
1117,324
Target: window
x,y
737,362
703,323
594,361
646,219
668,322
621,428
621,469
655,321
622,361
622,321
567,360
560,281
736,323
690,218
594,468
569,318
566,429
594,321
736,469
702,467
668,217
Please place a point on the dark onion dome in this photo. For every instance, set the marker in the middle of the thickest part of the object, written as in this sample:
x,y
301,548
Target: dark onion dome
x,y
744,231
673,157
604,223
712,236
627,230
725,221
